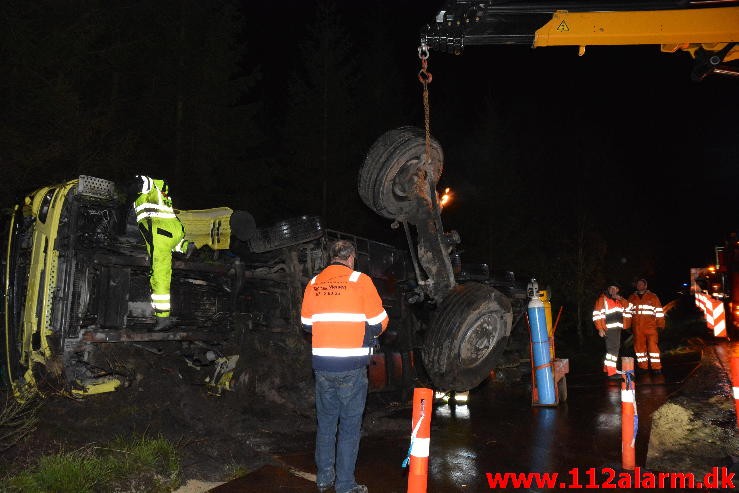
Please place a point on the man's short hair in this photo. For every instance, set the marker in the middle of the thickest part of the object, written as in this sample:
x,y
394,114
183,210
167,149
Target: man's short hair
x,y
342,250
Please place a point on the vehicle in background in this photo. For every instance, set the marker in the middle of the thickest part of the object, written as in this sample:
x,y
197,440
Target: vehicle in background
x,y
721,281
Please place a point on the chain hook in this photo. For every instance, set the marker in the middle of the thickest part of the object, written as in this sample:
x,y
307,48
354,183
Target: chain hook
x,y
423,50
424,76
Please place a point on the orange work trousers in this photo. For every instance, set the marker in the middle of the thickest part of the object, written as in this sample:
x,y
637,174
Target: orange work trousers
x,y
647,349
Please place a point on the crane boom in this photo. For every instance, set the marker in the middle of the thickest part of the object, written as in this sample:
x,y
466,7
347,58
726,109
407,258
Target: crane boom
x,y
707,30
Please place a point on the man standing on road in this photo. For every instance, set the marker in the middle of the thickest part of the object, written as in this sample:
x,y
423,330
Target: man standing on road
x,y
611,316
344,312
647,318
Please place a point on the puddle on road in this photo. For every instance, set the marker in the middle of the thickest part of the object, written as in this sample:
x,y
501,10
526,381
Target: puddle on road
x,y
500,431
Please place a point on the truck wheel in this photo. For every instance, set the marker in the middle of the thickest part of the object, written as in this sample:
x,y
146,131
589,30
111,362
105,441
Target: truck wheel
x,y
388,176
286,233
466,337
243,225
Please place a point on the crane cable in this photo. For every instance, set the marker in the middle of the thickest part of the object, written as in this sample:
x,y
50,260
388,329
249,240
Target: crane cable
x,y
424,76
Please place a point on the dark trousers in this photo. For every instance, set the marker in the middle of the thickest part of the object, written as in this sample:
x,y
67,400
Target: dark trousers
x,y
340,400
613,346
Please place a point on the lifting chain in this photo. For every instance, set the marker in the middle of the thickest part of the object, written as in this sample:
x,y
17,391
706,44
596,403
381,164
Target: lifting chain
x,y
424,76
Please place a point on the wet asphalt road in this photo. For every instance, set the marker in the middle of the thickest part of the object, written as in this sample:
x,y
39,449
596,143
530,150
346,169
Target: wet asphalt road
x,y
498,430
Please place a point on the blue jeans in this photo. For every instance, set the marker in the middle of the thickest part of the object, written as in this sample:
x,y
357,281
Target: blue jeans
x,y
340,401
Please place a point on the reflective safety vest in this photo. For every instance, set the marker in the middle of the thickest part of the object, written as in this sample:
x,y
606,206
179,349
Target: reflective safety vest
x,y
611,314
153,200
646,312
344,312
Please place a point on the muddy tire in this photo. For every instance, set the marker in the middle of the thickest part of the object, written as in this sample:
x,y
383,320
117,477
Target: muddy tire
x,y
387,176
466,337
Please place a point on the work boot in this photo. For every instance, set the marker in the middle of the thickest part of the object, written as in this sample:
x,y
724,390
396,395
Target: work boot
x,y
164,323
656,371
323,488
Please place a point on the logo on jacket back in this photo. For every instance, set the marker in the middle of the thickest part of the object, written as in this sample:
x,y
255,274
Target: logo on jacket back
x,y
329,289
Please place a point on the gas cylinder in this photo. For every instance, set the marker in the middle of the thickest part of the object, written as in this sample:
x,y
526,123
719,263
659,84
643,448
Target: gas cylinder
x,y
540,349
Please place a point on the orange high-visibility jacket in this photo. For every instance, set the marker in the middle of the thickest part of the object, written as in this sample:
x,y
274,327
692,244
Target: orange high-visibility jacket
x,y
611,314
344,312
646,312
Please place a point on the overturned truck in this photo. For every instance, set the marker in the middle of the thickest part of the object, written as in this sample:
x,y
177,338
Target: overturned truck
x,y
75,278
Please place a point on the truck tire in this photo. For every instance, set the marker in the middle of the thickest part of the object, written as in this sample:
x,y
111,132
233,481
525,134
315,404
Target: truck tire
x,y
286,233
386,178
243,225
467,335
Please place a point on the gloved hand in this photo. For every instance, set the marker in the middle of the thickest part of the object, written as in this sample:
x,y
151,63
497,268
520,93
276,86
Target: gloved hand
x,y
602,332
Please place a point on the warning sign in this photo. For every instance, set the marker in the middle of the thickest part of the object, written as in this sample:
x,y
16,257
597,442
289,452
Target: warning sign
x,y
563,27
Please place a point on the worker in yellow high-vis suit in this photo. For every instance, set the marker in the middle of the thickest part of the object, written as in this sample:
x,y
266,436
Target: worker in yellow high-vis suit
x,y
164,234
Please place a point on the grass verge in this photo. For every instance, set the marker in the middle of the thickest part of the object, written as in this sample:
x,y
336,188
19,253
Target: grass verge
x,y
134,464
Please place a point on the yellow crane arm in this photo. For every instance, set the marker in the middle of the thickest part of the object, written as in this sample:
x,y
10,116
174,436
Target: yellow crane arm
x,y
712,29
707,30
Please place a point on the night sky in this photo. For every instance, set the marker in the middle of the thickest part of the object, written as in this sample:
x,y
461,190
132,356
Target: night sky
x,y
536,141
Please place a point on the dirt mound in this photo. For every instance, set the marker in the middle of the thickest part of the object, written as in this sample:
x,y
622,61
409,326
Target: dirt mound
x,y
695,431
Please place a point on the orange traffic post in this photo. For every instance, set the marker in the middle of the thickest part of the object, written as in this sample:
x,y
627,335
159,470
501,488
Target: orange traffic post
x,y
629,416
734,362
420,440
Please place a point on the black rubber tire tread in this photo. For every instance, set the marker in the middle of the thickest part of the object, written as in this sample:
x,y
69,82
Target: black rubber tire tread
x,y
243,225
286,233
390,153
461,310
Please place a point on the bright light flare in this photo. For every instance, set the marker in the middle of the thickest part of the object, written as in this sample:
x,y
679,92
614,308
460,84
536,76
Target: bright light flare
x,y
446,197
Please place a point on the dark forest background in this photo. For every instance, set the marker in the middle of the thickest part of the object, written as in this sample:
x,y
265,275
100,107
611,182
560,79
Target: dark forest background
x,y
570,169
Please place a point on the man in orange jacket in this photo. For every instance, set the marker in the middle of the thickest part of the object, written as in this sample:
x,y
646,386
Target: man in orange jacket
x,y
343,311
647,317
611,316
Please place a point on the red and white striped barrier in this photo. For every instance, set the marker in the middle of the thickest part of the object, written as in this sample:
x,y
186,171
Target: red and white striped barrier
x,y
701,301
719,318
713,311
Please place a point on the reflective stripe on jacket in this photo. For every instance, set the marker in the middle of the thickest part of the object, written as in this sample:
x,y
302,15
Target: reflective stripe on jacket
x,y
611,314
646,312
154,201
344,312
